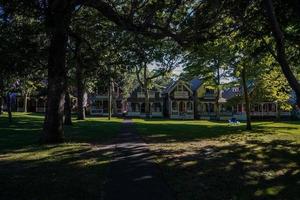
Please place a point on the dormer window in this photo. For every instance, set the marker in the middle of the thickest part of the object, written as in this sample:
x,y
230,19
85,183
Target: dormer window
x,y
236,89
180,88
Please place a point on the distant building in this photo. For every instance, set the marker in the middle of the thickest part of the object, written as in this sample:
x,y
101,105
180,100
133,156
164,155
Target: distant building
x,y
178,101
258,110
99,101
136,103
207,100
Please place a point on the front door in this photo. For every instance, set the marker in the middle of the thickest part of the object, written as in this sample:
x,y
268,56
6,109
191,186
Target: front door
x,y
182,107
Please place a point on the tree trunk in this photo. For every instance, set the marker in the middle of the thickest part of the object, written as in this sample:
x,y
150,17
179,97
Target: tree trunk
x,y
147,103
58,18
114,99
196,103
109,99
25,102
277,112
1,93
80,96
280,49
8,104
146,91
68,108
1,104
246,97
80,85
218,93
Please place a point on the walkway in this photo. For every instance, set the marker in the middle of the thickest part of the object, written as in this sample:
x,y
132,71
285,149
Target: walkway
x,y
133,174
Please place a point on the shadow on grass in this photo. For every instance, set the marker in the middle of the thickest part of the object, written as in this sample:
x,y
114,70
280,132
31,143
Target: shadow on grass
x,y
254,170
25,131
66,171
211,160
73,170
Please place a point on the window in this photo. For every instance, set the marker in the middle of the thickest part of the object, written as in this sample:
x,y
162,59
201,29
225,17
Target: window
x,y
97,104
133,107
174,105
156,107
256,108
180,87
190,106
143,108
236,89
209,107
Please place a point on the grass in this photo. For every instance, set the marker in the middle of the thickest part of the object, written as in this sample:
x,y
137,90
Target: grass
x,y
211,160
199,159
72,170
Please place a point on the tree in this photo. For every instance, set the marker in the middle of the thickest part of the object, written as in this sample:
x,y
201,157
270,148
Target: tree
x,y
1,92
162,56
185,22
28,84
21,53
278,31
271,86
281,56
209,62
59,14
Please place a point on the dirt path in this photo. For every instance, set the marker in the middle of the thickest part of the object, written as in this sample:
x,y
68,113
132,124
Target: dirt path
x,y
133,174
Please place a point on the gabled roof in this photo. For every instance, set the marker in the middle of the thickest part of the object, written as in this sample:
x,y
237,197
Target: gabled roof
x,y
195,84
172,85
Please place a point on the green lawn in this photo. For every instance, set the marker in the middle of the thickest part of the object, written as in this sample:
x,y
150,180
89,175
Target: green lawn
x,y
211,160
199,159
73,170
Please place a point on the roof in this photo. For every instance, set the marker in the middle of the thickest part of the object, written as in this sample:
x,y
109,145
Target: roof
x,y
230,93
169,87
237,91
195,84
293,98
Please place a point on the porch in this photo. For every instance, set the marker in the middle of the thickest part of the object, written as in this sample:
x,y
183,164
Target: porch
x,y
33,104
100,107
182,109
137,109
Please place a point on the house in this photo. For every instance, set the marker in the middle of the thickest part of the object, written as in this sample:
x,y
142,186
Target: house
x,y
36,101
207,101
99,101
34,104
258,110
178,100
230,102
136,103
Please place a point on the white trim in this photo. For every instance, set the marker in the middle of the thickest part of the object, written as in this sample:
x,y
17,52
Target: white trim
x,y
185,85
